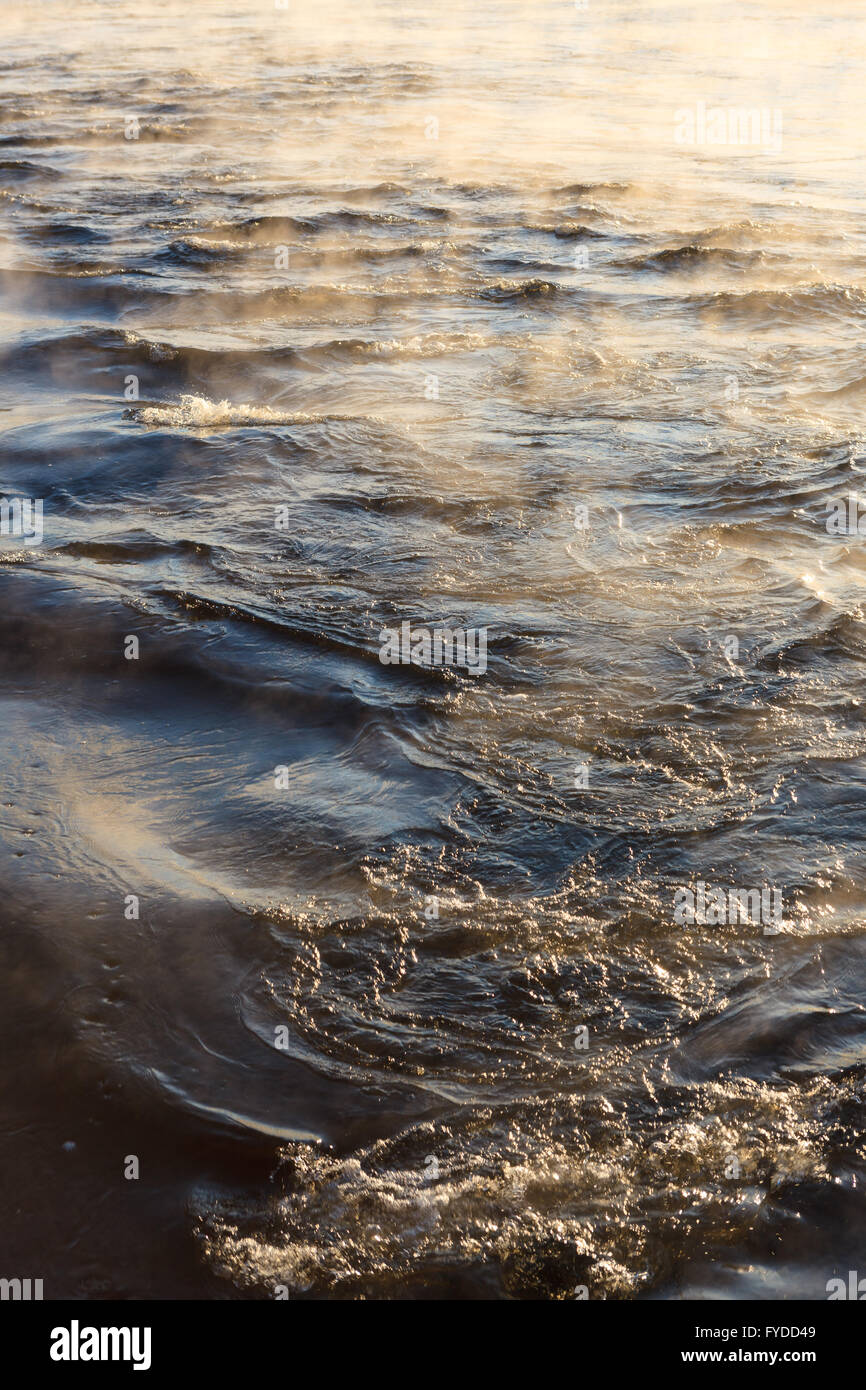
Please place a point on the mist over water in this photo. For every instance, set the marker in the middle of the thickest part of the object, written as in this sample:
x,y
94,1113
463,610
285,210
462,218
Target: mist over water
x,y
324,319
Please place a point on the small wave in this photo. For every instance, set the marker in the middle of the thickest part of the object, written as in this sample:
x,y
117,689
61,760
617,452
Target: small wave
x,y
92,348
852,388
103,135
197,412
791,306
693,256
26,169
506,291
394,251
376,190
419,345
841,639
353,217
272,226
266,228
66,232
197,251
569,189
570,231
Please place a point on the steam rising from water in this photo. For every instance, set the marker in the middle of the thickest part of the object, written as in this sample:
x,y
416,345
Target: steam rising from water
x,y
422,284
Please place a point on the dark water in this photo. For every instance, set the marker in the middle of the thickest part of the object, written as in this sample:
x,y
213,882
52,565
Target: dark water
x,y
341,1035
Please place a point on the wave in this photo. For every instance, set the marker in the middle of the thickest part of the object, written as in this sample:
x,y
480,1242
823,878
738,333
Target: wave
x,y
843,639
112,291
26,169
74,356
76,233
852,388
417,345
271,227
694,256
506,291
770,307
198,251
605,186
197,412
567,231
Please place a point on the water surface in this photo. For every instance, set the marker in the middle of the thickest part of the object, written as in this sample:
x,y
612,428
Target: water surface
x,y
420,283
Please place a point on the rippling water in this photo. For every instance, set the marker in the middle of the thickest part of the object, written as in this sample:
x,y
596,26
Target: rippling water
x,y
322,320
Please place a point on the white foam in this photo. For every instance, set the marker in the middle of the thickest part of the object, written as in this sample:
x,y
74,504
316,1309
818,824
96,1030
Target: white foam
x,y
197,412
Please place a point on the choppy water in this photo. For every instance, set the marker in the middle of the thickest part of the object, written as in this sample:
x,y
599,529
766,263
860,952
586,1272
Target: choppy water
x,y
433,383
